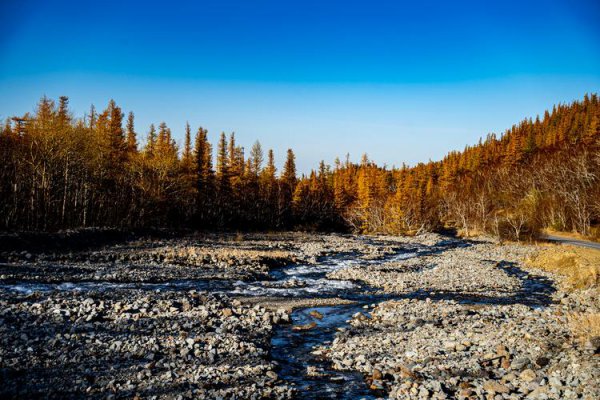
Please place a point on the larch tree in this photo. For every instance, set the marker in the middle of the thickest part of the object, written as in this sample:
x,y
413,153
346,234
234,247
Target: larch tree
x,y
150,146
187,158
256,158
223,181
223,164
204,178
287,187
116,135
131,135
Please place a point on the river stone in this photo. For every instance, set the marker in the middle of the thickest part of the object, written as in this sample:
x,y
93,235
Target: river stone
x,y
516,314
376,385
449,346
520,363
272,375
527,375
593,344
227,312
495,387
377,375
305,327
502,350
316,314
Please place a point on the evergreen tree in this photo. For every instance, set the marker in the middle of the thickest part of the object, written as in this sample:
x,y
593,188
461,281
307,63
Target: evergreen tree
x,y
150,147
63,110
85,172
131,135
288,177
116,135
256,158
187,156
222,164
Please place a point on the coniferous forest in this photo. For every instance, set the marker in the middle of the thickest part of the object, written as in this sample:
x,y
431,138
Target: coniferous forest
x,y
59,171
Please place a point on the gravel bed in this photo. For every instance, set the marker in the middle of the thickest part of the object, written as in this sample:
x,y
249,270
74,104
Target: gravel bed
x,y
128,344
469,322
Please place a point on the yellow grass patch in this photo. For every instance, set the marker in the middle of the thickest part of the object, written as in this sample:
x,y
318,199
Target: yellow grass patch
x,y
580,266
584,326
473,233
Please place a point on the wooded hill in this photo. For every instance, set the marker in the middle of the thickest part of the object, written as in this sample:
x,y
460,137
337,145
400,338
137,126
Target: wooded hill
x,y
59,172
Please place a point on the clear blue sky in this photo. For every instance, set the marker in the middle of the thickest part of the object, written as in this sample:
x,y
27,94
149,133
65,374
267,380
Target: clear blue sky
x,y
401,82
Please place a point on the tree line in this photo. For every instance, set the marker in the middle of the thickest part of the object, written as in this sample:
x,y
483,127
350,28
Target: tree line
x,y
60,172
542,173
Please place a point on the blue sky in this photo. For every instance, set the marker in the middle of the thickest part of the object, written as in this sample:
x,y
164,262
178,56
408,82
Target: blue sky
x,y
401,82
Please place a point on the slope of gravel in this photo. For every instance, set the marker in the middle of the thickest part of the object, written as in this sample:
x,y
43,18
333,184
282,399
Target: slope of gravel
x,y
468,320
417,348
108,341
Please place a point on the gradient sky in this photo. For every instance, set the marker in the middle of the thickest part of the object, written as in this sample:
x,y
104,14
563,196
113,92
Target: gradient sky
x,y
401,82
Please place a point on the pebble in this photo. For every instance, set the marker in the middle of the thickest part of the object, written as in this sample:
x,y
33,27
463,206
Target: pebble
x,y
471,320
305,327
316,314
527,375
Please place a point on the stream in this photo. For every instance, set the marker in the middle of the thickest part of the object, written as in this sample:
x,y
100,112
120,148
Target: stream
x,y
292,349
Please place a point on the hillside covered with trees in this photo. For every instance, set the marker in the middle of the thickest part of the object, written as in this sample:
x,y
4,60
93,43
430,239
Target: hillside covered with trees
x,y
60,172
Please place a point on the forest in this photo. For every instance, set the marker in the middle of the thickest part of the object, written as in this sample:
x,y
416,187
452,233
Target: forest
x,y
59,172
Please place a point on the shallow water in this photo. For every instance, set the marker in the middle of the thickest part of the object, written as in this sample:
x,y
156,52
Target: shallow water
x,y
208,285
292,350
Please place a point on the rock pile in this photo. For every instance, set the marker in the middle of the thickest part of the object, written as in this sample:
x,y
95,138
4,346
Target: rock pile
x,y
484,269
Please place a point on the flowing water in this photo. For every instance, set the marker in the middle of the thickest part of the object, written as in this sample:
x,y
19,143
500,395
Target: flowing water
x,y
293,349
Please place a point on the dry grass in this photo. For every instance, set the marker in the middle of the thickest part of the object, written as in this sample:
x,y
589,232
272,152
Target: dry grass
x,y
473,233
584,326
595,233
580,266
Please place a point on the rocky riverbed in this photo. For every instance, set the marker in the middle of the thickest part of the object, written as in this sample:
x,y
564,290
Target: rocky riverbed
x,y
134,343
264,316
470,322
